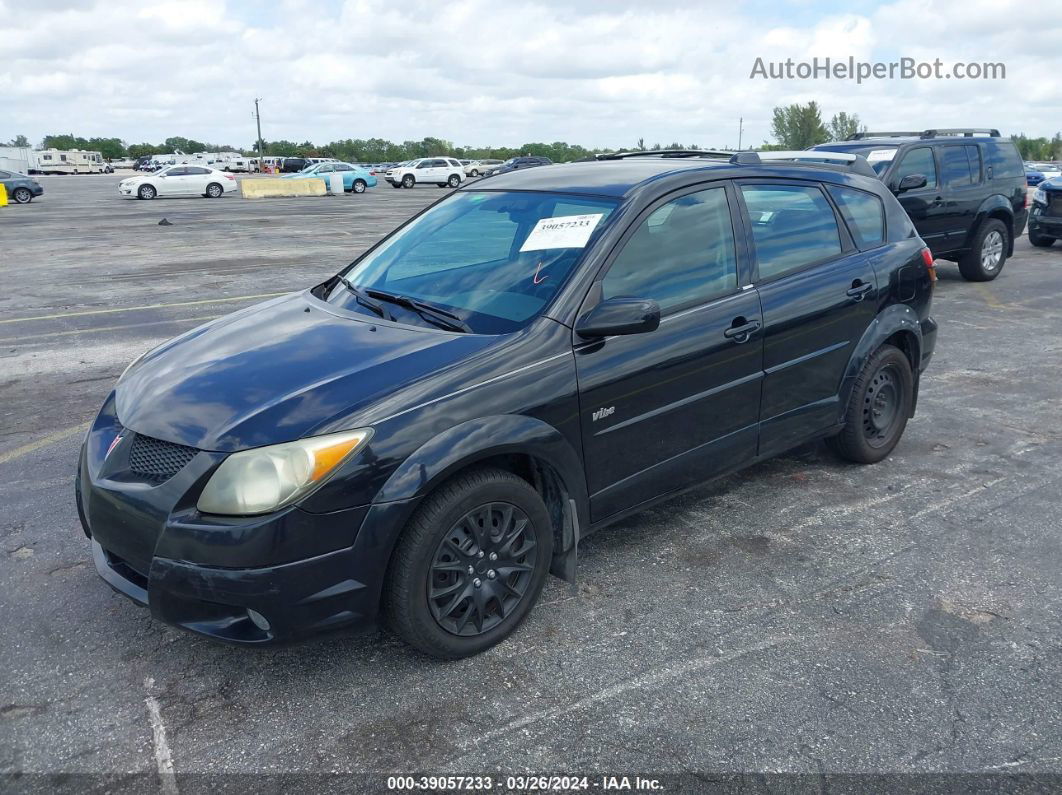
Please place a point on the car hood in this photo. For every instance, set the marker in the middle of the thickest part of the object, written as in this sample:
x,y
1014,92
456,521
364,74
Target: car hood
x,y
278,371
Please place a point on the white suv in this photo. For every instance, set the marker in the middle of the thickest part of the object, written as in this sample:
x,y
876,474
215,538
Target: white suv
x,y
443,171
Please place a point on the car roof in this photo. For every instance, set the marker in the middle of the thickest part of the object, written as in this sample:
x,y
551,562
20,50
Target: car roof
x,y
602,178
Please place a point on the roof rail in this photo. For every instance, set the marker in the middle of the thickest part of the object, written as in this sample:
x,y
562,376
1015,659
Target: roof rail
x,y
856,163
967,132
664,153
859,136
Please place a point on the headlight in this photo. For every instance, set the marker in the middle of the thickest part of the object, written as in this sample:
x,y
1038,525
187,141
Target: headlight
x,y
1040,195
267,478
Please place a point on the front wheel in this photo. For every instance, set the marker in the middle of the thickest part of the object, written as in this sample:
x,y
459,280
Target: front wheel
x,y
358,186
470,564
878,408
22,196
408,181
985,259
146,192
1040,241
214,191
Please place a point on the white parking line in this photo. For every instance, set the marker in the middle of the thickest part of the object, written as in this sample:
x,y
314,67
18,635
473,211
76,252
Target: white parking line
x,y
135,308
163,755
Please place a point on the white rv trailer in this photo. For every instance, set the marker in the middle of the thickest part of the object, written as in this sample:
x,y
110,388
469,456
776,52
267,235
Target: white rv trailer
x,y
71,161
16,158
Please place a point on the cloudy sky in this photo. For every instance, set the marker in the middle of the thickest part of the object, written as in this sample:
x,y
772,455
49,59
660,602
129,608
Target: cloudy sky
x,y
479,72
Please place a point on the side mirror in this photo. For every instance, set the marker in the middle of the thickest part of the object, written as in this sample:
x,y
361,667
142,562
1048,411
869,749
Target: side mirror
x,y
911,182
619,316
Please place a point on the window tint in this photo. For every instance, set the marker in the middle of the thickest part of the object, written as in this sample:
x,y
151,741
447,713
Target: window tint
x,y
955,166
863,212
196,170
683,253
1002,159
973,154
918,161
792,226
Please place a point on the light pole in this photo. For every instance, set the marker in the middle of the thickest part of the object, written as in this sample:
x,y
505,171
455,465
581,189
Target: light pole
x,y
258,119
741,129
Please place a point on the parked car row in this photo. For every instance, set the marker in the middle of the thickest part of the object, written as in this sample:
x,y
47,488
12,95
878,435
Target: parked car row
x,y
355,178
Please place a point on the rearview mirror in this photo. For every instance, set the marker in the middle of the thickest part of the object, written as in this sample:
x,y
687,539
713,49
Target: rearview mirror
x,y
619,316
911,182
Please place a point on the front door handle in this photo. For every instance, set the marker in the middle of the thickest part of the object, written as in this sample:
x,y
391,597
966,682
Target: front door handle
x,y
741,333
859,290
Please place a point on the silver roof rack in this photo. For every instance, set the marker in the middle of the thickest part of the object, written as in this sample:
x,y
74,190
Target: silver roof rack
x,y
967,132
664,153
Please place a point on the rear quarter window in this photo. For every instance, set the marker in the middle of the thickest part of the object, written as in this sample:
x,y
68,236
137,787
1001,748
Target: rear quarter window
x,y
1002,160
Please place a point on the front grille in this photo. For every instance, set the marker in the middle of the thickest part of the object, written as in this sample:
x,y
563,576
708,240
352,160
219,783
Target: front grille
x,y
1056,203
155,460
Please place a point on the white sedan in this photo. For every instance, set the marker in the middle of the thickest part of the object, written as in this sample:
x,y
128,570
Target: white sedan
x,y
179,180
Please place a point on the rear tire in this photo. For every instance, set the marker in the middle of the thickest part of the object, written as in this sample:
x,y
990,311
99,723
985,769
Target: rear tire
x,y
146,192
474,172
214,191
470,564
878,408
358,186
453,181
1040,241
986,257
21,196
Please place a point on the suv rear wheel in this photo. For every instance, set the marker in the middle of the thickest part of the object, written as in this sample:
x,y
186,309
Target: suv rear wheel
x,y
985,259
877,409
470,564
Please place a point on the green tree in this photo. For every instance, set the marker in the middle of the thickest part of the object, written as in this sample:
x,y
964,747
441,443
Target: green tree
x,y
799,126
842,126
110,148
20,141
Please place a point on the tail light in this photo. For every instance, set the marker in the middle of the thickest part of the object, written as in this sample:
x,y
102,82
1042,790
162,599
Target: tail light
x,y
927,258
230,176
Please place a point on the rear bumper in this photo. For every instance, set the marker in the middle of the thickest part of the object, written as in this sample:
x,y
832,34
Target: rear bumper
x,y
929,341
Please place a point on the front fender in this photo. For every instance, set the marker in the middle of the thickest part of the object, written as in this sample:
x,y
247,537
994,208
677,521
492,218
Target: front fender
x,y
898,317
482,438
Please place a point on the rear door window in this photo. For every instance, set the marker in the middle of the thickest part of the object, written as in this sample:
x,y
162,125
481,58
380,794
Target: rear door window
x,y
863,212
955,166
792,226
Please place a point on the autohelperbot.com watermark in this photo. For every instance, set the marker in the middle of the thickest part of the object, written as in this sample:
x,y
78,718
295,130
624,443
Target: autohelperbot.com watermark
x,y
861,71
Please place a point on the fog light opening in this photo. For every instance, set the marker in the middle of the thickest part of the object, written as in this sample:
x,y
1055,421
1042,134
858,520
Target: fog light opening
x,y
258,620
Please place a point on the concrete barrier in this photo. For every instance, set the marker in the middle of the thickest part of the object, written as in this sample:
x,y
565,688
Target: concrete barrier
x,y
274,187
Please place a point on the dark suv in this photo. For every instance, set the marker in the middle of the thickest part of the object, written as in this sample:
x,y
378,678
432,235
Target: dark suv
x,y
964,189
293,165
517,163
1045,219
427,434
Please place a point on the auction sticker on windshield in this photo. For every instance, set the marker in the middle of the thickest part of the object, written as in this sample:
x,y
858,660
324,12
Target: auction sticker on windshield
x,y
564,231
878,155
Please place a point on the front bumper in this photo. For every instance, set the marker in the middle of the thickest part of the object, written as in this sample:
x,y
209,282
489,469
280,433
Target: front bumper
x,y
1048,224
304,573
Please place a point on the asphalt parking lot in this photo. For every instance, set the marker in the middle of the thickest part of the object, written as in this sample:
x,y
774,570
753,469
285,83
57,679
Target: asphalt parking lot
x,y
805,615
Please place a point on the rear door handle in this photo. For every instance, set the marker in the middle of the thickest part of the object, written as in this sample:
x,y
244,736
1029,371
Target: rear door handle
x,y
742,333
859,291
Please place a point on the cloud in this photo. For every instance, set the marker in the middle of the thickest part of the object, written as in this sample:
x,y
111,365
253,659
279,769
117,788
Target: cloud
x,y
477,72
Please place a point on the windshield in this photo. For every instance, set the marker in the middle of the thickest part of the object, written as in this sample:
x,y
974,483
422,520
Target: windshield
x,y
493,259
879,157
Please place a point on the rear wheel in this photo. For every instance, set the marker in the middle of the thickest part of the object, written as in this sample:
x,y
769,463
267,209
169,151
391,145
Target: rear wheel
x,y
453,181
877,409
1040,241
358,186
146,192
408,181
470,564
214,190
474,172
22,196
985,259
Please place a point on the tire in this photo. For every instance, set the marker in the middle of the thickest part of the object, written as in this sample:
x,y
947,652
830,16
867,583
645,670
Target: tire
x,y
214,191
1040,241
878,408
396,185
358,186
986,257
146,192
446,534
21,196
408,181
453,181
474,172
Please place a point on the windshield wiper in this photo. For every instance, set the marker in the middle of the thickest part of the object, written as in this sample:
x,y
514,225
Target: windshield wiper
x,y
363,298
430,312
